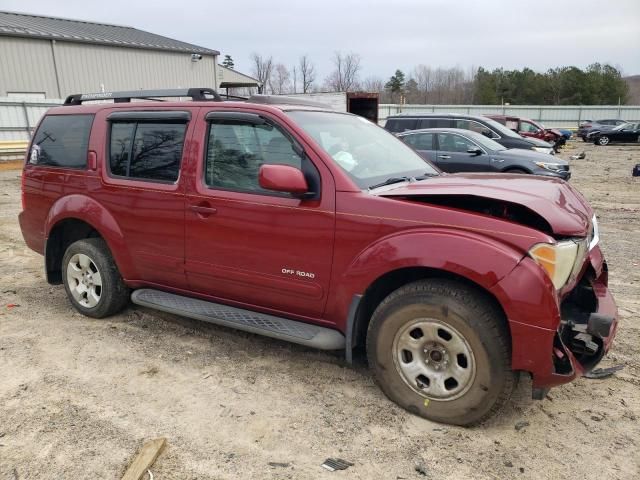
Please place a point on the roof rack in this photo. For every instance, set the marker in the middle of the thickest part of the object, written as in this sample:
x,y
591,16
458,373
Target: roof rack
x,y
284,100
196,94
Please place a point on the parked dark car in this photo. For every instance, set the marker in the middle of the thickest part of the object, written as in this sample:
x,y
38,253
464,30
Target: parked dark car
x,y
589,126
486,126
456,150
625,133
526,127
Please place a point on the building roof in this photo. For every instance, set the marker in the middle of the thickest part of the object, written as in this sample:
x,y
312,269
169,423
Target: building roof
x,y
63,29
230,78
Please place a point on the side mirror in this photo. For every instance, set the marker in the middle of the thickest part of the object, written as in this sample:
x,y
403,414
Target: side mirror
x,y
282,178
475,151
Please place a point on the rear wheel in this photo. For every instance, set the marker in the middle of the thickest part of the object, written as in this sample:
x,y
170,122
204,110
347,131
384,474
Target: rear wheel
x,y
516,170
91,279
441,350
602,141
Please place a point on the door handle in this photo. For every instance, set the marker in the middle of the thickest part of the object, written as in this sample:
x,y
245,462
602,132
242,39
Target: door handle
x,y
203,210
444,156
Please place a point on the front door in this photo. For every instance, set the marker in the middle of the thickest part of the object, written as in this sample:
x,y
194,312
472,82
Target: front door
x,y
423,144
252,246
453,155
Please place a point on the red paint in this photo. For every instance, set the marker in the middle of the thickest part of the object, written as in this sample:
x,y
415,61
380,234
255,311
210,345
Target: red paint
x,y
306,258
282,178
524,127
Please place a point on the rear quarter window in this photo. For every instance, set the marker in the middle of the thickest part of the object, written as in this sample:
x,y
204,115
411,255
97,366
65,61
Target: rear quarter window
x,y
62,141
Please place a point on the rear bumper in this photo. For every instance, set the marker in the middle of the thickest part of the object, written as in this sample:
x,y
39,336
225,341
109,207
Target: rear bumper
x,y
558,343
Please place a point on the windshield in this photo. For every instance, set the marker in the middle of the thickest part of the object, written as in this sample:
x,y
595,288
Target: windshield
x,y
483,141
624,125
501,129
369,154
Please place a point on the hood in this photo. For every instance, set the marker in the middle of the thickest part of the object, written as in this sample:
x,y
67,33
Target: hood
x,y
562,207
555,131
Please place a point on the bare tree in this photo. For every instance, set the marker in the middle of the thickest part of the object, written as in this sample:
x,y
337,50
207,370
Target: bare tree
x,y
262,69
345,76
308,73
373,84
280,79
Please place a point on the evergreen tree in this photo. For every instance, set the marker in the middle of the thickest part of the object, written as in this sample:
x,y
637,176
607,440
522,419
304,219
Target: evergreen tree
x,y
228,62
395,85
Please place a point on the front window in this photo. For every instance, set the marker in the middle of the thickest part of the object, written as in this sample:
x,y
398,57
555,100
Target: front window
x,y
367,153
528,127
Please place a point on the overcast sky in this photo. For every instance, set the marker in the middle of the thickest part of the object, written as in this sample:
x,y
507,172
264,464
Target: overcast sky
x,y
389,34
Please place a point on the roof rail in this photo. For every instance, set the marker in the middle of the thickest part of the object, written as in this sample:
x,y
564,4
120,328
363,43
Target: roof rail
x,y
196,94
284,100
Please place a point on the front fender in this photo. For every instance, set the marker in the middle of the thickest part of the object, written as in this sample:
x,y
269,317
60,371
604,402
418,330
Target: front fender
x,y
87,209
477,258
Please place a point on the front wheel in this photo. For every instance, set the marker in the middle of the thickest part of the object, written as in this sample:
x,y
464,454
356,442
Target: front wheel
x,y
602,141
91,279
441,350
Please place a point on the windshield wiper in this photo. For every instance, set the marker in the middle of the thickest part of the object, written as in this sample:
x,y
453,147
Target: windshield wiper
x,y
390,181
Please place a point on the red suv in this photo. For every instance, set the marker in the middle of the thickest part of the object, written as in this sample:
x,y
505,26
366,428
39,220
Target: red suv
x,y
529,128
283,218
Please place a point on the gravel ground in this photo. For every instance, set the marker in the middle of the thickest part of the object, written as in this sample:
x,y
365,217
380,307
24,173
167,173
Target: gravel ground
x,y
78,396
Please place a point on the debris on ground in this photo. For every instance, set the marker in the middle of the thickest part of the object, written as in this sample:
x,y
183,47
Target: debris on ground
x,y
333,464
521,424
579,156
278,464
145,458
421,469
13,305
603,372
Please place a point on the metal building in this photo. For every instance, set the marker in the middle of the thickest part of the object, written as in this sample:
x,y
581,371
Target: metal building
x,y
46,57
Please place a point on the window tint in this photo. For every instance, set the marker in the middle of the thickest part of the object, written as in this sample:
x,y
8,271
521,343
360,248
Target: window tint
x,y
401,124
236,150
420,141
62,141
475,127
436,123
454,143
147,151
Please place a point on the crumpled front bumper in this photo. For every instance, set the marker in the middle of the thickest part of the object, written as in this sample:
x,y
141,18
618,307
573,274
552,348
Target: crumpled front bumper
x,y
558,341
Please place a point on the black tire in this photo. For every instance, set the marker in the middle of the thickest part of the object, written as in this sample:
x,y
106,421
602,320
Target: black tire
x,y
456,307
602,140
113,293
516,170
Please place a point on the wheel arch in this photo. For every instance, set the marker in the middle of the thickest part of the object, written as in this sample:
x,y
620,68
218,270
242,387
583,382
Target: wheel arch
x,y
74,218
395,279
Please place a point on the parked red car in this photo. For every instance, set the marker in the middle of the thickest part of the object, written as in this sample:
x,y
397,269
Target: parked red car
x,y
289,220
530,128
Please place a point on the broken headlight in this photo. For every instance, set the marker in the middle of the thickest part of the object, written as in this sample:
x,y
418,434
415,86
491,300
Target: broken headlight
x,y
561,261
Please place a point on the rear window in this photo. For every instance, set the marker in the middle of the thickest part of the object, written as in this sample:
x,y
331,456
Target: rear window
x,y
62,141
396,125
146,151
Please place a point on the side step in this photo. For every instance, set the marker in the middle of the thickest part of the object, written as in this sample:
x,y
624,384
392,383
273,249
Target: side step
x,y
240,319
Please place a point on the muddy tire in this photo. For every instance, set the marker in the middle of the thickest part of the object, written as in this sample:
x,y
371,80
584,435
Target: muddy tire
x,y
441,350
92,280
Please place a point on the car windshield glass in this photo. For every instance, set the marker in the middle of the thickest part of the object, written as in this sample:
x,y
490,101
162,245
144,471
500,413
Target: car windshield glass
x,y
485,142
624,125
501,129
369,154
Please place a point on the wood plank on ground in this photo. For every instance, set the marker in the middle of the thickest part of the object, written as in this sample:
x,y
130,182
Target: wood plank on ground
x,y
145,458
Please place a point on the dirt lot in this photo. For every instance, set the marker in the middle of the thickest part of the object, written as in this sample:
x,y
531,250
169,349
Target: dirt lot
x,y
79,396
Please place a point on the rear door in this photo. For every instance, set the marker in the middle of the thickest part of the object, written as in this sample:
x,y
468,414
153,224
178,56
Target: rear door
x,y
423,143
248,245
143,189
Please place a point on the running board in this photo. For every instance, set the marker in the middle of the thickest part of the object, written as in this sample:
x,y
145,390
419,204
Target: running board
x,y
240,319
